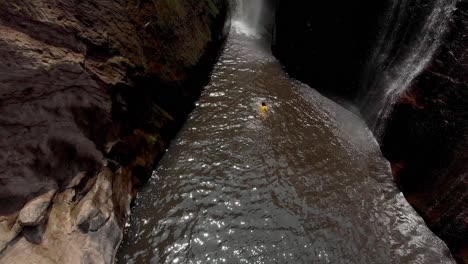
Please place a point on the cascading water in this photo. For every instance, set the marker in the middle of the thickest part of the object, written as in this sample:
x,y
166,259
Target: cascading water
x,y
304,182
402,52
248,17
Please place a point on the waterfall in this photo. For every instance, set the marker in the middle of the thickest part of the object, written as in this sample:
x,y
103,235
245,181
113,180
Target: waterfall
x,y
248,15
412,33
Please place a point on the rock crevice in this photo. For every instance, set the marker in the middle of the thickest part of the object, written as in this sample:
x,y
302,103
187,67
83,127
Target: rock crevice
x,y
91,93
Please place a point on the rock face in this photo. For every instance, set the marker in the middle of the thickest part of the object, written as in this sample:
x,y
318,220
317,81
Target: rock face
x,y
91,92
426,135
426,139
326,45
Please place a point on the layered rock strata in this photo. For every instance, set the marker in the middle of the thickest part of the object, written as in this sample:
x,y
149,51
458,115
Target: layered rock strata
x,y
91,93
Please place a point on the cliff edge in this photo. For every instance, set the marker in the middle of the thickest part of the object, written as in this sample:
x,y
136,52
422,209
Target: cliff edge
x,y
91,93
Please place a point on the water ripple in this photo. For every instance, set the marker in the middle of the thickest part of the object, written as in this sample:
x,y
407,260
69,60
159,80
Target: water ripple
x,y
305,183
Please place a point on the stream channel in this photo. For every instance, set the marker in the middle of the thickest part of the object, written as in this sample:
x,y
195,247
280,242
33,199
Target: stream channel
x,y
303,183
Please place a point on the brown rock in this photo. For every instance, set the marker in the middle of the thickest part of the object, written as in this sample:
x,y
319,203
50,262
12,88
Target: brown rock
x,y
9,230
75,78
35,211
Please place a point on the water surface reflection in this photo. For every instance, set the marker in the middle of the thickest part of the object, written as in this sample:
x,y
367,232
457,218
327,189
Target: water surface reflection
x,y
307,184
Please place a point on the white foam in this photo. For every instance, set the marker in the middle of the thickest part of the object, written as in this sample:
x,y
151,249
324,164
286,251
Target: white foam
x,y
247,17
241,27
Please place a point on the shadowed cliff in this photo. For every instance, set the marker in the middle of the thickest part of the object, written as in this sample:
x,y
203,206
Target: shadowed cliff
x,y
424,130
90,94
326,44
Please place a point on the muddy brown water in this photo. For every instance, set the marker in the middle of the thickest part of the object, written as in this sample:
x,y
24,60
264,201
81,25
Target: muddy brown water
x,y
305,183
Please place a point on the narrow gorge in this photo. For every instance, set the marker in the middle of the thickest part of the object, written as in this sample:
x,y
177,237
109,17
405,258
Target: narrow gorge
x,y
403,65
233,131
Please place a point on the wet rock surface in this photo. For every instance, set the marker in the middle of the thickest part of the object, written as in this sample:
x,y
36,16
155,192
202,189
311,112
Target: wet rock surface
x,y
90,94
426,135
427,139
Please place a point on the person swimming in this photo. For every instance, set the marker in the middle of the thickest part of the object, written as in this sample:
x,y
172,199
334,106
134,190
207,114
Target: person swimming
x,y
263,111
263,107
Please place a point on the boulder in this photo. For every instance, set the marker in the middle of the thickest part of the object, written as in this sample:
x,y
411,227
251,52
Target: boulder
x,y
35,210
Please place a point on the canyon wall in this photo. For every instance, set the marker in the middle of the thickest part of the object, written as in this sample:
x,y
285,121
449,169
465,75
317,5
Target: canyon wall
x,y
326,45
91,93
426,138
425,135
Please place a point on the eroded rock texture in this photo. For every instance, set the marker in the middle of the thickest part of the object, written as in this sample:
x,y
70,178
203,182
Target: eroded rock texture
x,y
90,94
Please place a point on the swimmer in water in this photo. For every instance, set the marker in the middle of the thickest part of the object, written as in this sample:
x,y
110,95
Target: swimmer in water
x,y
263,111
263,107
